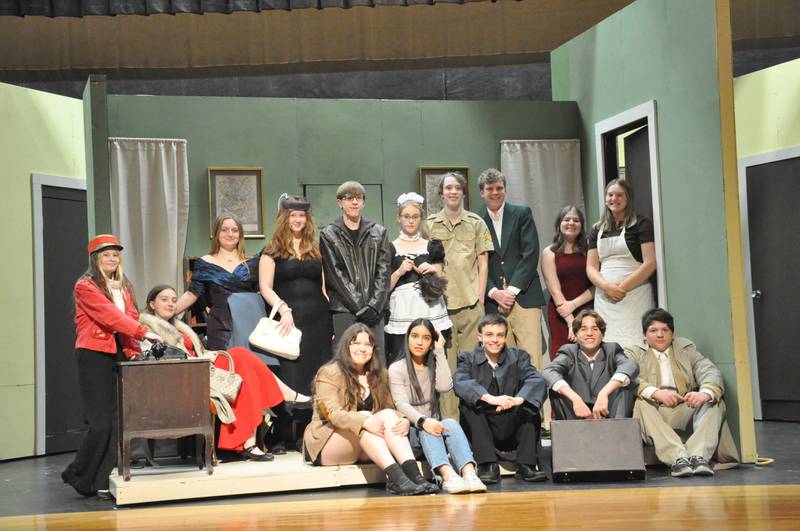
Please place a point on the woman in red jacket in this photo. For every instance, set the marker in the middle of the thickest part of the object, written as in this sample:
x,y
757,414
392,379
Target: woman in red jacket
x,y
107,330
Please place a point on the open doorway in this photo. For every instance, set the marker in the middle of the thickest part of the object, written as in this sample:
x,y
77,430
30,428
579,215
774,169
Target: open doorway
x,y
627,147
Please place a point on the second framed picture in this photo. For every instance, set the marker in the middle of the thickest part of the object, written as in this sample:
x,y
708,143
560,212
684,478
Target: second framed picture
x,y
429,178
237,191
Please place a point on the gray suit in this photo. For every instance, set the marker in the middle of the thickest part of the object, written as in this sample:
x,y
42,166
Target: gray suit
x,y
572,366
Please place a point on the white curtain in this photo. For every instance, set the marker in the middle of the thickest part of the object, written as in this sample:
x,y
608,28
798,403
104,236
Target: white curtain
x,y
546,176
150,208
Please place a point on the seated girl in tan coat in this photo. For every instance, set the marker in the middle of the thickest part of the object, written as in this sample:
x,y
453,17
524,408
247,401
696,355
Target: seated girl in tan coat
x,y
354,417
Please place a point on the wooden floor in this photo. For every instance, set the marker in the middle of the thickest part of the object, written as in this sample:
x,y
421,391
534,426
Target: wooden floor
x,y
675,508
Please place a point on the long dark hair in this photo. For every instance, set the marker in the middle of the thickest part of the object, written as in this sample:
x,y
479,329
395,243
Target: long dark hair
x,y
417,395
559,242
151,296
377,377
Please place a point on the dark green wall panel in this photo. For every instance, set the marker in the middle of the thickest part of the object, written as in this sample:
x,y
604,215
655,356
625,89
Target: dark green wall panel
x,y
330,141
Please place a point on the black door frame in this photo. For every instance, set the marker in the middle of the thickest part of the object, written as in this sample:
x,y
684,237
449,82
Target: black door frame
x,y
744,163
645,111
38,180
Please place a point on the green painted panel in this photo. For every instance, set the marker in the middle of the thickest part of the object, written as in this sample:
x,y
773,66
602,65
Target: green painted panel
x,y
329,141
18,420
39,133
665,50
768,109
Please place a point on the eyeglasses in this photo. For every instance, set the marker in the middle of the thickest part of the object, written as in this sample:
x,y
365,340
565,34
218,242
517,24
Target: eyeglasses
x,y
350,197
368,346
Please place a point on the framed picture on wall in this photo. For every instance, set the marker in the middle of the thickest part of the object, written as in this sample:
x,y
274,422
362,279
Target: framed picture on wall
x,y
237,191
429,177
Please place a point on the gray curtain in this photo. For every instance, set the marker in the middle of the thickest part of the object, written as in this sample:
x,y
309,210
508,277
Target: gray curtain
x,y
546,176
150,208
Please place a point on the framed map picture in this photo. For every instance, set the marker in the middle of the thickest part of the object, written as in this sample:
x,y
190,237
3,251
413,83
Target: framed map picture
x,y
237,192
429,177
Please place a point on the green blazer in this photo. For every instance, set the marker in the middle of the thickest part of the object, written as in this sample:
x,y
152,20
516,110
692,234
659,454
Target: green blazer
x,y
516,257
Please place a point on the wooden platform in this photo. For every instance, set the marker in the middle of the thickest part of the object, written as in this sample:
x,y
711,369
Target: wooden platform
x,y
729,507
287,473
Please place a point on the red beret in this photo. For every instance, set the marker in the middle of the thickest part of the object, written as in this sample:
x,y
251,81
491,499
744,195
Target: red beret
x,y
103,241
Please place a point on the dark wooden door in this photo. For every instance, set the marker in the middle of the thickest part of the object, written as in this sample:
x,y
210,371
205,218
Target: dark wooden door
x,y
637,170
774,224
64,245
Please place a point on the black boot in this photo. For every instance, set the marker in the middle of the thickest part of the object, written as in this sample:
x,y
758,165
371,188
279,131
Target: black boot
x,y
398,483
412,472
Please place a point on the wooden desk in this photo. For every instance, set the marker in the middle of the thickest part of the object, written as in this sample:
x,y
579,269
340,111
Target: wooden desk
x,y
163,400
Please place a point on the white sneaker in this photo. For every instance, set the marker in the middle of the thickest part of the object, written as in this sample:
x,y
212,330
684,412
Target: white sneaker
x,y
456,485
474,483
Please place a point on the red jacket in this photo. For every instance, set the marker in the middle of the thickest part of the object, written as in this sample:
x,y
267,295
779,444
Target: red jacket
x,y
97,319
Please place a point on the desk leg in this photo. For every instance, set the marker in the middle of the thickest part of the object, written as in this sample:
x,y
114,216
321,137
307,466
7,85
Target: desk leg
x,y
125,463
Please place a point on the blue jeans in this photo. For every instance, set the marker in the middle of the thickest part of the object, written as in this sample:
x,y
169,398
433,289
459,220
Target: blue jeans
x,y
436,449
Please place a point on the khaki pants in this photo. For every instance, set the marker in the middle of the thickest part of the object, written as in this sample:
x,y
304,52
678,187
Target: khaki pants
x,y
526,332
659,425
464,338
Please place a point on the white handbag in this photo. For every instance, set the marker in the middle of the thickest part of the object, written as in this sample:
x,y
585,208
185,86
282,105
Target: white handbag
x,y
266,336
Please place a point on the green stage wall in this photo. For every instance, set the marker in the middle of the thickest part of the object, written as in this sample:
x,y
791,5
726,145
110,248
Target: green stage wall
x,y
322,141
39,133
768,109
666,50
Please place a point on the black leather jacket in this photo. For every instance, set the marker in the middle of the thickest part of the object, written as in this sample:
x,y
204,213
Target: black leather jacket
x,y
356,276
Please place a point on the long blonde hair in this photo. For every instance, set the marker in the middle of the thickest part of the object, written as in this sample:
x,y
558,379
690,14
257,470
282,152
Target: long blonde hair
x,y
607,222
99,277
280,246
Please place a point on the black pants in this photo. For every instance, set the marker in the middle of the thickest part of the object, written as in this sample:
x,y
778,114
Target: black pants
x,y
515,428
620,405
97,455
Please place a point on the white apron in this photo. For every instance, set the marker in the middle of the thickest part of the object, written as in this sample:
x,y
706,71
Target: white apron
x,y
624,318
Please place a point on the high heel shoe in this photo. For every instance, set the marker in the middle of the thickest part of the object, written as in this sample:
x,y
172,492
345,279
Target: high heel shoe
x,y
293,405
249,455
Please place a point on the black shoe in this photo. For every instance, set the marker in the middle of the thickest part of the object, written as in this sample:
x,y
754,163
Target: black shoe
x,y
292,405
403,487
68,478
489,473
529,473
248,455
278,449
105,494
430,488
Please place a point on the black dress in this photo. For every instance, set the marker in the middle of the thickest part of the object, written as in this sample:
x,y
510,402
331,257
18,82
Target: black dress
x,y
214,284
299,283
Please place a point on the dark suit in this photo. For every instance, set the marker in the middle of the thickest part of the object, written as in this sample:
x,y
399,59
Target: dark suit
x,y
572,366
516,428
513,263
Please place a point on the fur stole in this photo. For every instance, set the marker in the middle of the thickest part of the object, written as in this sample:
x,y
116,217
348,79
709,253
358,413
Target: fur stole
x,y
172,332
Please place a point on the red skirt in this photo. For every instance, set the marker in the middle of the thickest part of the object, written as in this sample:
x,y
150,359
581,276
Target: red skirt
x,y
259,391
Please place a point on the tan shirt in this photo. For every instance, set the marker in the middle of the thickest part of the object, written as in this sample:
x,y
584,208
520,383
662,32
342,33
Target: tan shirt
x,y
463,242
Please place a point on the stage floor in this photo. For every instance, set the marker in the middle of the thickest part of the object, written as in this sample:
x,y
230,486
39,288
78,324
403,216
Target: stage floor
x,y
33,486
668,508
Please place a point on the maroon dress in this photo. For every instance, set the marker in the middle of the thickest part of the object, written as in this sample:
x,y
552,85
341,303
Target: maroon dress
x,y
571,272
